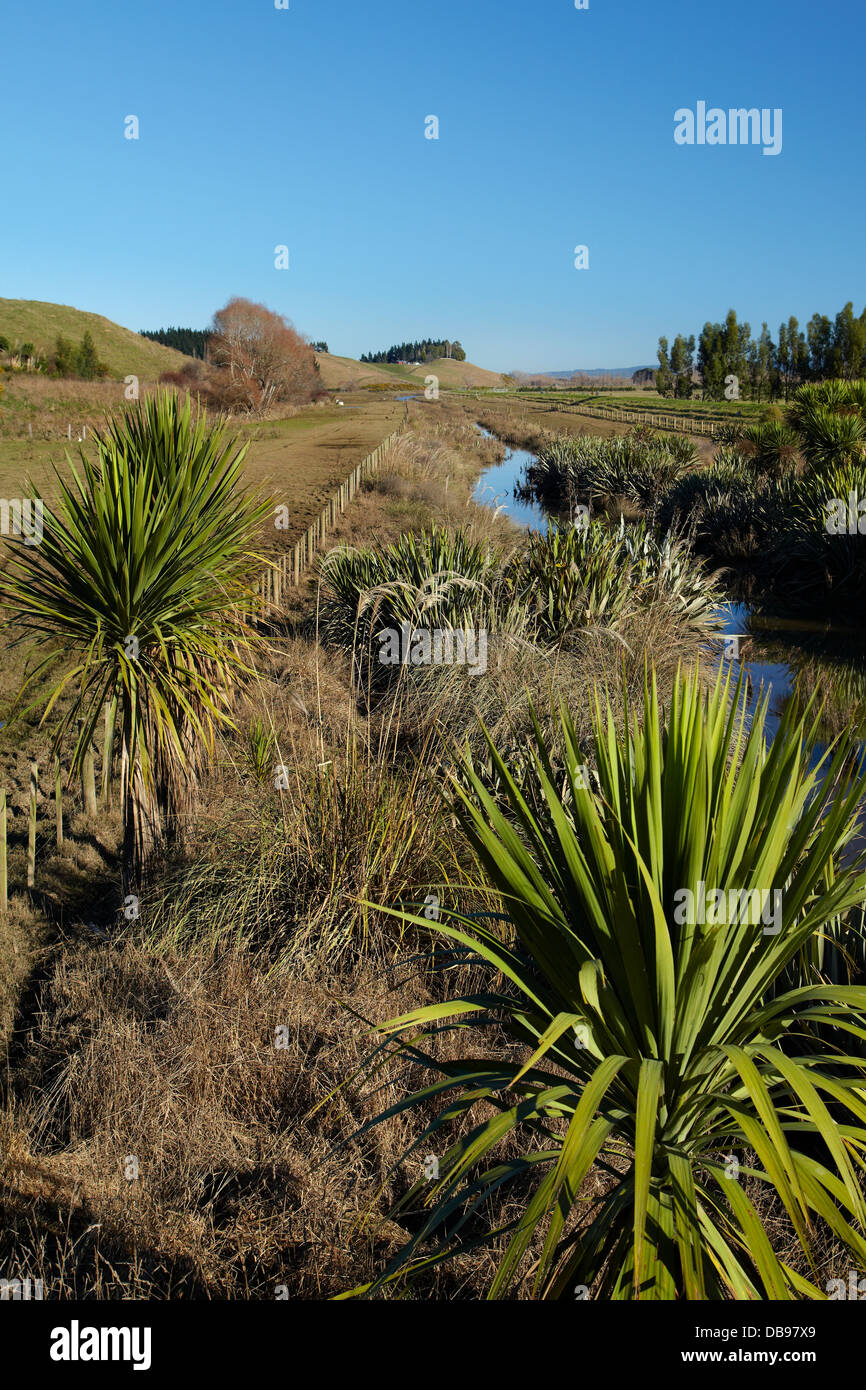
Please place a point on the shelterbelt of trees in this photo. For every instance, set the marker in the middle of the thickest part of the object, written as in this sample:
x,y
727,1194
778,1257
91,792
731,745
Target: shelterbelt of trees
x,y
423,350
192,341
765,370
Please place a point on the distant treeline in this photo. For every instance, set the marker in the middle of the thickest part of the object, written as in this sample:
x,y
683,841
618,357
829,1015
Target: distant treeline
x,y
763,369
427,350
192,341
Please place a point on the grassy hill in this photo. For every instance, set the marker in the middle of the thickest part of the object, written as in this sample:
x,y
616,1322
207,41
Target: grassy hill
x,y
345,373
126,352
456,374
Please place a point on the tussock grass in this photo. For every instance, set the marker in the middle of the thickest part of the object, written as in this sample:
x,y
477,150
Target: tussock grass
x,y
638,467
289,874
244,1186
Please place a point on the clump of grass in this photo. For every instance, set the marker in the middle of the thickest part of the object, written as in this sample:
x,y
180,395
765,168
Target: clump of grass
x,y
830,419
581,575
560,605
637,466
290,875
438,579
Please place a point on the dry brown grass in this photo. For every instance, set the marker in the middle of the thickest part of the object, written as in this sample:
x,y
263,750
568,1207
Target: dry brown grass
x,y
42,408
244,1185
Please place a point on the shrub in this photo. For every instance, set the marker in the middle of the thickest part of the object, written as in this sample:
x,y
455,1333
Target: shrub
x,y
435,579
580,575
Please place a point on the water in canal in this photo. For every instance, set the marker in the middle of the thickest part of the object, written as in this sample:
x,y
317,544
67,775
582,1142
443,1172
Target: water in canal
x,y
776,654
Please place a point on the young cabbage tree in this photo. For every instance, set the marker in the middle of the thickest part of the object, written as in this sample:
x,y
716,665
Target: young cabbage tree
x,y
131,600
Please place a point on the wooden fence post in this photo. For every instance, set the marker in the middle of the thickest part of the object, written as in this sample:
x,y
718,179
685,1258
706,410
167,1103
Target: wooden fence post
x,y
107,753
88,783
58,799
4,882
31,827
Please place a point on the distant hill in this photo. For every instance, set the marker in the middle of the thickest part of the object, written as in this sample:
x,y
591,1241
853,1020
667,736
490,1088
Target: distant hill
x,y
345,372
125,352
456,374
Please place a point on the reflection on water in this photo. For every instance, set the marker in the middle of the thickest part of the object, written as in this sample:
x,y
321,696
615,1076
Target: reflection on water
x,y
792,659
799,659
497,488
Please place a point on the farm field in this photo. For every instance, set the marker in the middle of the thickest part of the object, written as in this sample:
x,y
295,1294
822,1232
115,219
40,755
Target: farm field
x,y
663,405
301,458
648,401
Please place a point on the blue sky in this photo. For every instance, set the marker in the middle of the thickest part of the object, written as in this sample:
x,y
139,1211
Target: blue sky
x,y
305,127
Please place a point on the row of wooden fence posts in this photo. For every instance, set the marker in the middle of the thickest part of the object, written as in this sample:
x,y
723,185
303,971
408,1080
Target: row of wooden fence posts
x,y
89,801
68,430
671,422
275,579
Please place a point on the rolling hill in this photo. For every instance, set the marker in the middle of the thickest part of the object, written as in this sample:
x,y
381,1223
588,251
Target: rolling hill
x,y
126,352
456,374
345,373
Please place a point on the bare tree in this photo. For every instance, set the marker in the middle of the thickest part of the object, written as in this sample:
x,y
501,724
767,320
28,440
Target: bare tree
x,y
267,361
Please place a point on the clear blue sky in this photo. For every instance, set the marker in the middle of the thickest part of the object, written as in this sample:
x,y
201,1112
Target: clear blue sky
x,y
306,127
